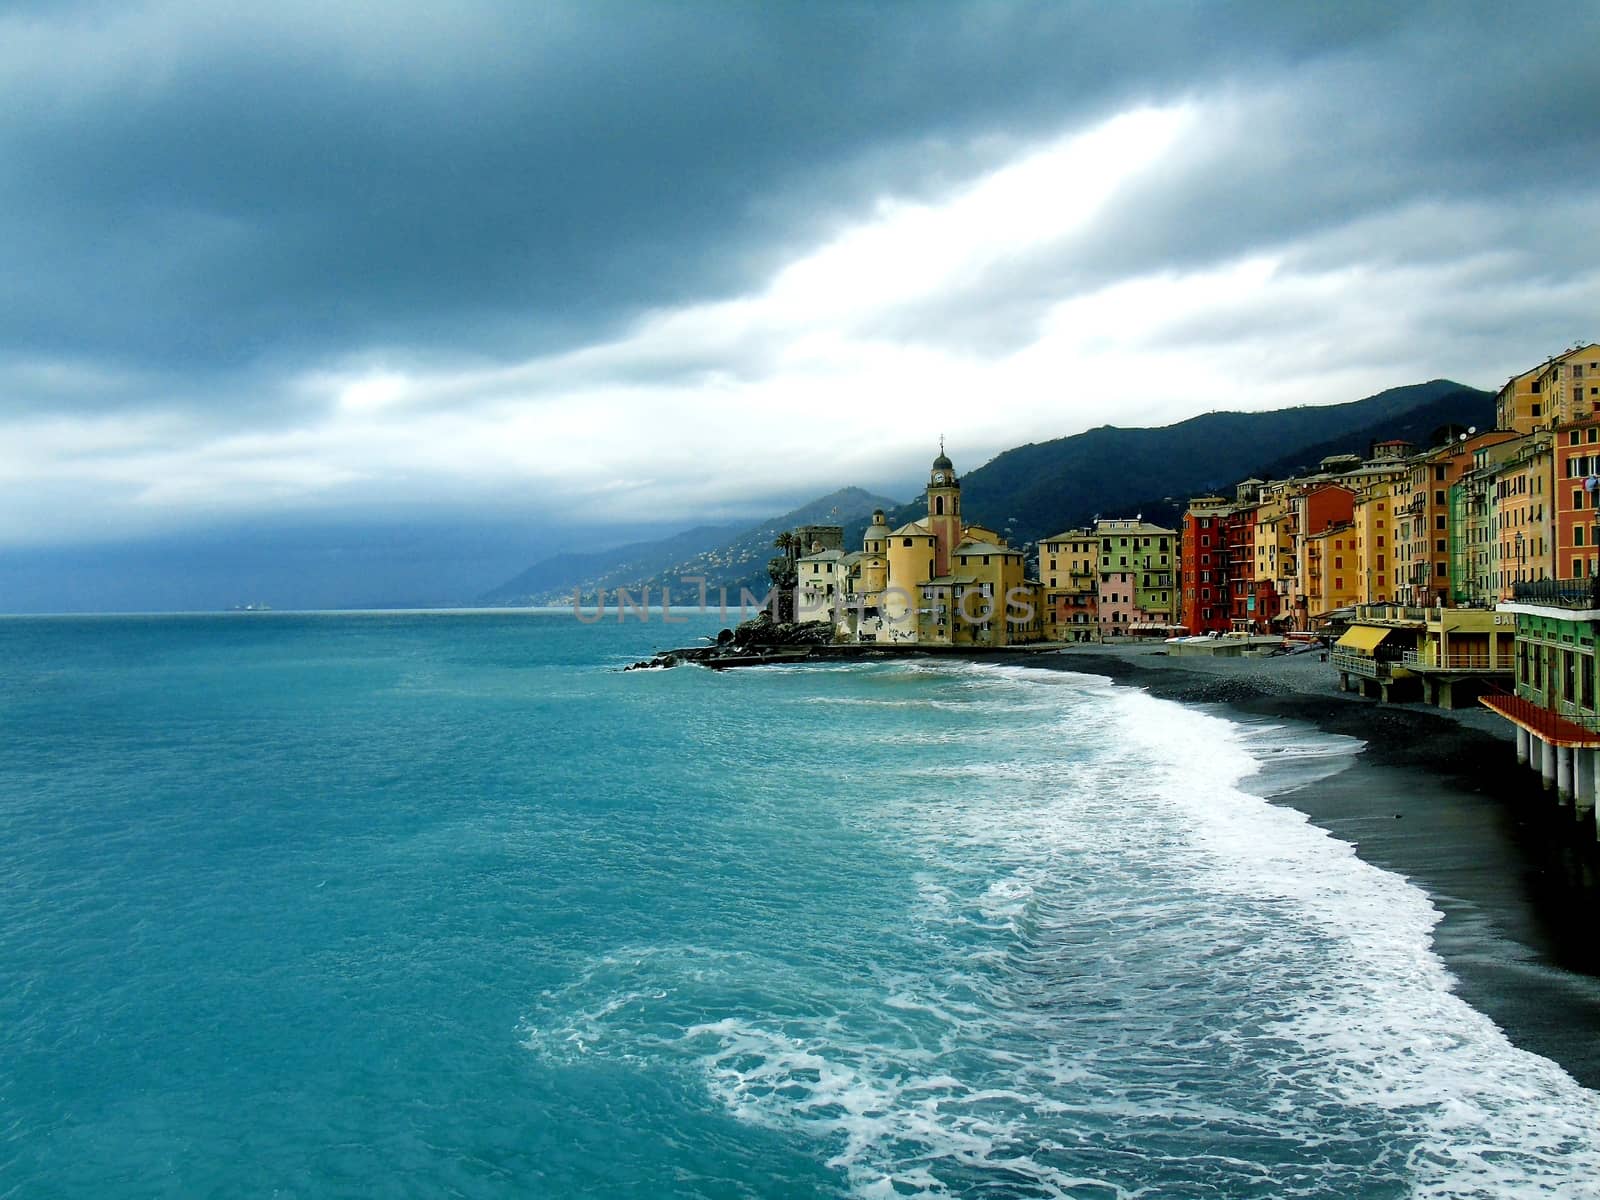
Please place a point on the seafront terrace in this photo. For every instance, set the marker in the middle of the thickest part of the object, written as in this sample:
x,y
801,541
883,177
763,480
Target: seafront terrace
x,y
1583,594
1553,711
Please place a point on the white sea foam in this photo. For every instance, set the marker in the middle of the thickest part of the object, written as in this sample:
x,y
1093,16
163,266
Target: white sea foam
x,y
1133,977
1383,1028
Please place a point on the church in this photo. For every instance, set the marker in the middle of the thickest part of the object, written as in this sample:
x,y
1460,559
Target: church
x,y
935,581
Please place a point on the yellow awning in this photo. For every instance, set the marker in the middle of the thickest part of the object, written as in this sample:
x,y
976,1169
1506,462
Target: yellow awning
x,y
1364,638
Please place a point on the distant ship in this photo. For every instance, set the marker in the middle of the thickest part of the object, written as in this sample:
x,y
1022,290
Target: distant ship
x,y
252,608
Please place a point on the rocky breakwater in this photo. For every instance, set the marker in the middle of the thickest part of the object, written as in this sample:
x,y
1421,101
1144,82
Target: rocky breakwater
x,y
757,641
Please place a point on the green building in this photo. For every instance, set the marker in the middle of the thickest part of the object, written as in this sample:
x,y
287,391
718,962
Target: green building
x,y
1554,708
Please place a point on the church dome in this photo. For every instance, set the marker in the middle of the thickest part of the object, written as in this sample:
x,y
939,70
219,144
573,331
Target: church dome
x,y
943,463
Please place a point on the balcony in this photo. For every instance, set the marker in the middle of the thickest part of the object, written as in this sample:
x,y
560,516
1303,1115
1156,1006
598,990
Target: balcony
x,y
1578,715
1465,660
1559,593
1550,725
1352,662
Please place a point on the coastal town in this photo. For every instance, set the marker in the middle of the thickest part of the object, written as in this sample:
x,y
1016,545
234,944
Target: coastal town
x,y
1459,574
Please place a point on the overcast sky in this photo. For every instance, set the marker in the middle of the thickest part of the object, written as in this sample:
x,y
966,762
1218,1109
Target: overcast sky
x,y
322,260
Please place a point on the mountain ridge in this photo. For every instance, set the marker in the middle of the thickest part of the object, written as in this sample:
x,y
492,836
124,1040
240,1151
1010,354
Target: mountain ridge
x,y
1041,488
1035,490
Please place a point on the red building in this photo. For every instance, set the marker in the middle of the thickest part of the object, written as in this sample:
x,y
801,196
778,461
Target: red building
x,y
1207,602
1252,602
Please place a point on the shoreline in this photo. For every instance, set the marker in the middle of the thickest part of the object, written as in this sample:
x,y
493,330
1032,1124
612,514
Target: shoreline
x,y
1437,797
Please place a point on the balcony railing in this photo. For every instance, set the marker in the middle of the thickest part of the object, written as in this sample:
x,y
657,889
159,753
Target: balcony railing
x,y
1559,593
1354,663
1569,711
1392,612
1464,660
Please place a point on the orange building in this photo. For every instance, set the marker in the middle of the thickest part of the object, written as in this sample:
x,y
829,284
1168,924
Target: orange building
x,y
1577,500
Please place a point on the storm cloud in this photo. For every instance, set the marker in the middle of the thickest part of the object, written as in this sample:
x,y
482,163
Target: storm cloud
x,y
607,262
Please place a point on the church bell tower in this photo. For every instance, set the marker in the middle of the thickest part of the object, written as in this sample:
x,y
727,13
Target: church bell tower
x,y
944,510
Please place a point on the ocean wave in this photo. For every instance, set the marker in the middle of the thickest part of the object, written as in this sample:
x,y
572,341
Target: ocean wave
x,y
1117,970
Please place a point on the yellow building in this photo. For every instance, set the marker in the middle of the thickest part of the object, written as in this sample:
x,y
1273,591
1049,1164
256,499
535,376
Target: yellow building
x,y
1525,515
1518,405
1570,385
1332,570
1067,564
1271,543
912,556
1374,535
945,582
1559,391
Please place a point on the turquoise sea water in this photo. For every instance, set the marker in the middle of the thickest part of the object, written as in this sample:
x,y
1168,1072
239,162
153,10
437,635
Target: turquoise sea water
x,y
447,905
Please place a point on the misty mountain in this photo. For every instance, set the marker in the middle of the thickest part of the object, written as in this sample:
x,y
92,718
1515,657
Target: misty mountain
x,y
729,557
559,574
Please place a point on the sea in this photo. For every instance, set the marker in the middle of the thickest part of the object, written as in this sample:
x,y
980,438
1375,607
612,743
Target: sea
x,y
450,905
